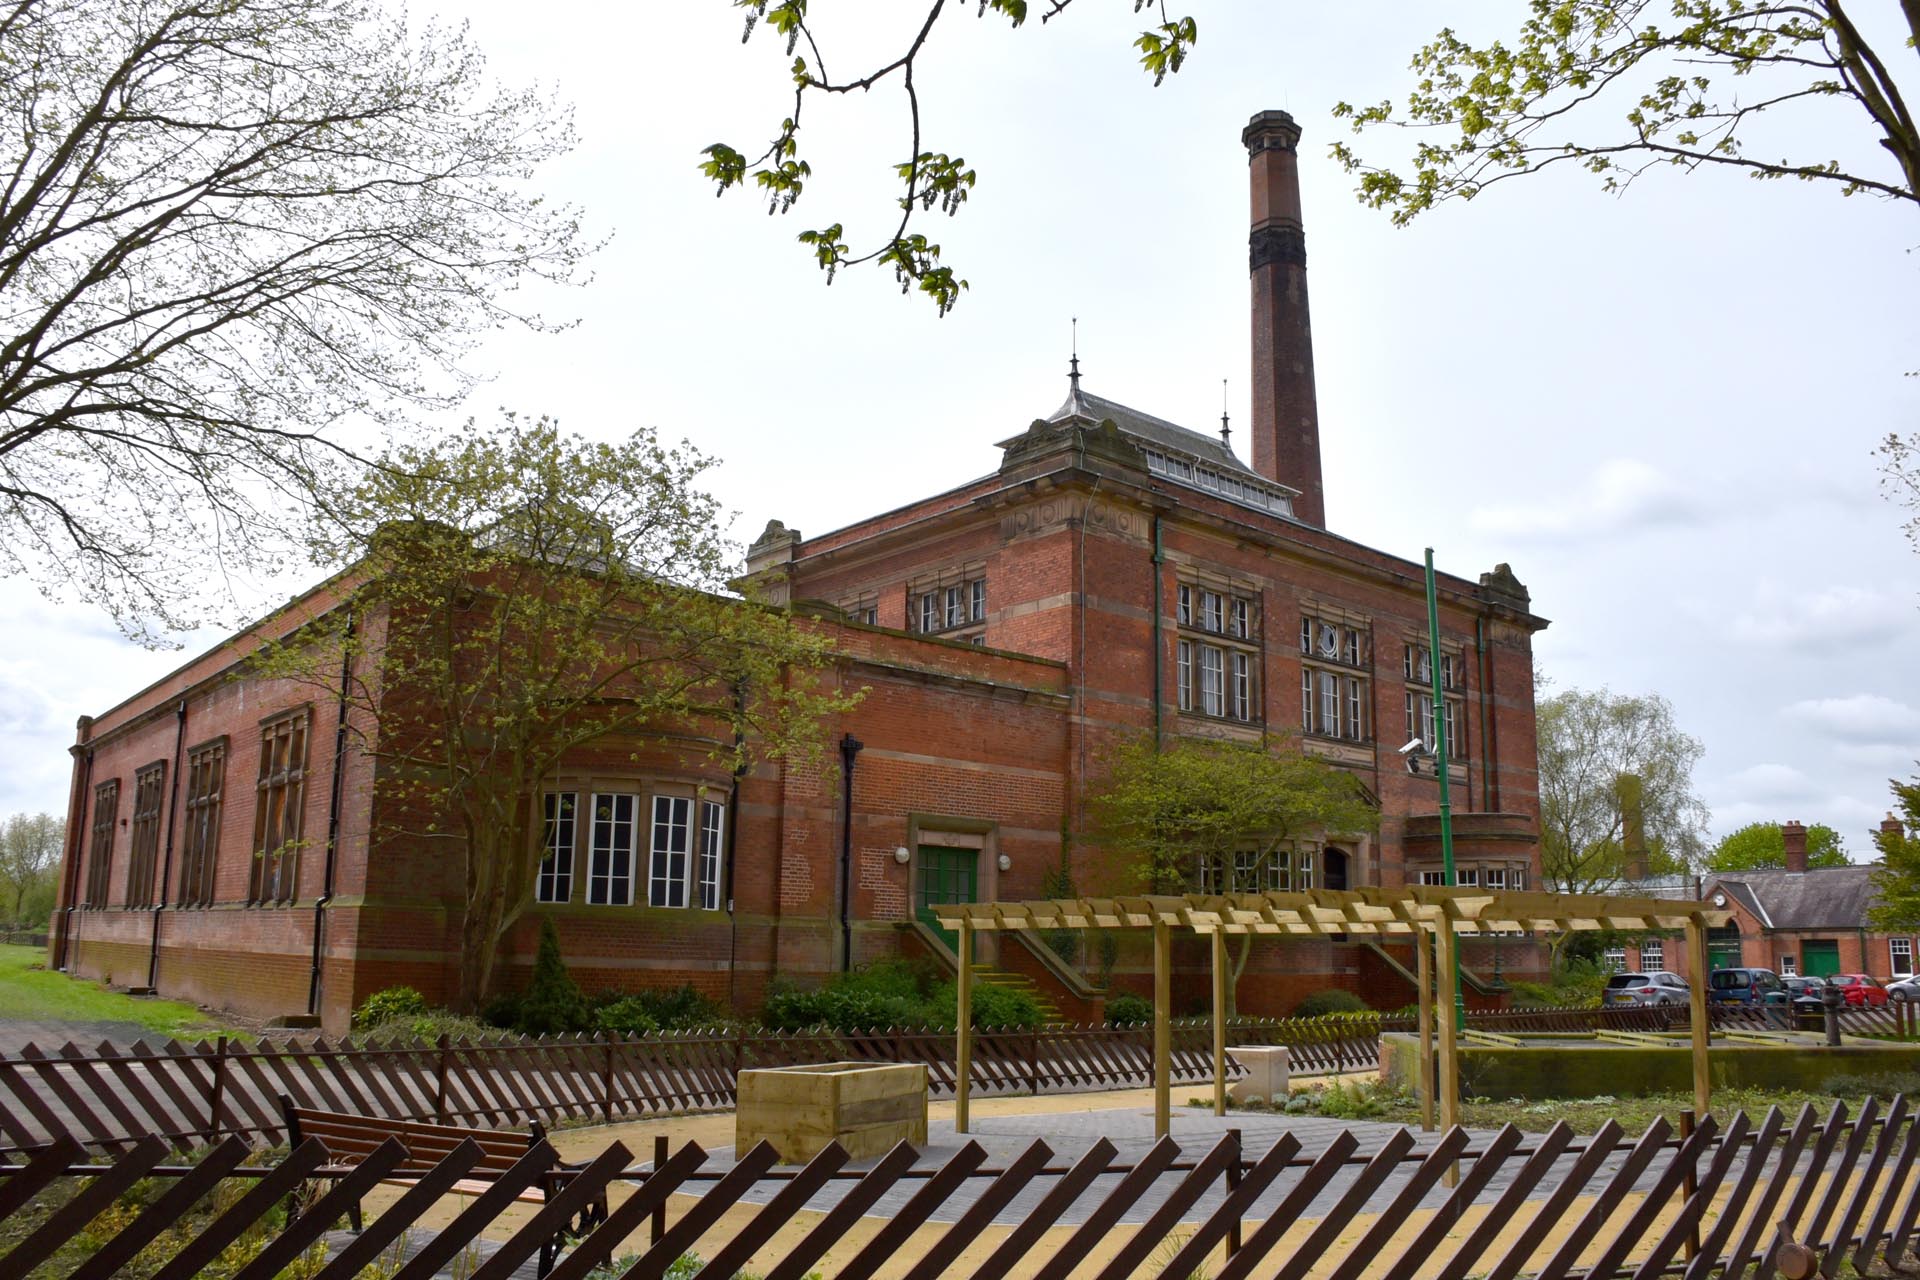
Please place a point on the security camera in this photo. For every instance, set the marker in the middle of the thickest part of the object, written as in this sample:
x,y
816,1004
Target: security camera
x,y
1413,748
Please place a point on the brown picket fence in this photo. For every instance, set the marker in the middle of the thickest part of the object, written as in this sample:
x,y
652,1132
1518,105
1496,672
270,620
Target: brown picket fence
x,y
109,1098
1750,1196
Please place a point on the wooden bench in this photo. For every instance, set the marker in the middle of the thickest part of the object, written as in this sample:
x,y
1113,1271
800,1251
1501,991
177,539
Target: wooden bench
x,y
352,1138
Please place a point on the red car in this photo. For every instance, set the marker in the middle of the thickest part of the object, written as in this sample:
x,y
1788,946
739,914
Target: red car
x,y
1858,988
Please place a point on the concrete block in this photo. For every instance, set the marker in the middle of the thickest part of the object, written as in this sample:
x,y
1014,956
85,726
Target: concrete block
x,y
1267,1075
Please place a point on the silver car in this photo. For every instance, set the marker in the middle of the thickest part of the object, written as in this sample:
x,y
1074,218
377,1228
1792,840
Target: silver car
x,y
1655,987
1904,989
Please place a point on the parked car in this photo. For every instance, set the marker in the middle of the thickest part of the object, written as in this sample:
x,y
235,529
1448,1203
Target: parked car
x,y
1904,989
1803,991
1859,989
1745,986
1654,987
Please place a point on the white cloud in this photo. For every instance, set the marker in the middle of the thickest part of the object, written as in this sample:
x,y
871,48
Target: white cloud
x,y
1835,622
1892,757
1777,782
1621,495
1862,718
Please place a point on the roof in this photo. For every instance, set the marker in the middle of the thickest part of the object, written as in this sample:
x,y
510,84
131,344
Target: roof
x,y
1818,898
1206,448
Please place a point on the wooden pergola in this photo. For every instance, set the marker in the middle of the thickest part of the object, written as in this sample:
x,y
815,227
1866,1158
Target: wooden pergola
x,y
1433,917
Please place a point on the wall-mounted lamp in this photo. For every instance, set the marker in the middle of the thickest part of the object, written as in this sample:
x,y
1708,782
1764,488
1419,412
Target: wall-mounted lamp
x,y
1005,863
901,856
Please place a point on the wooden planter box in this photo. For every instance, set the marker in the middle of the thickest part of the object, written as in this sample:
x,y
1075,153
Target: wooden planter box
x,y
866,1107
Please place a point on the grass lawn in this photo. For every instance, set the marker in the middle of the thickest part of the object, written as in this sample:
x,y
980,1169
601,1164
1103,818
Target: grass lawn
x,y
28,994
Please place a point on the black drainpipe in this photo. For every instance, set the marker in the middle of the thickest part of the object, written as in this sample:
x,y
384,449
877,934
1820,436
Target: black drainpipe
x,y
733,827
333,819
166,859
849,748
1159,558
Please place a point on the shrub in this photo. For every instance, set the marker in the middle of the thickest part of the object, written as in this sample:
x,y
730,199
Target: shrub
x,y
1322,1003
503,1011
628,1016
886,993
1884,1085
1008,1008
553,1004
1129,1011
387,1006
431,1025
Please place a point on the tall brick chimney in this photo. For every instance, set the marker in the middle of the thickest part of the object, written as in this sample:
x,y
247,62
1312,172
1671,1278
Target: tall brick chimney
x,y
1794,836
1891,826
1286,423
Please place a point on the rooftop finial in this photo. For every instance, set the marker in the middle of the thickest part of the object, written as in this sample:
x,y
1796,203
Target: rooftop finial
x,y
1226,432
1074,404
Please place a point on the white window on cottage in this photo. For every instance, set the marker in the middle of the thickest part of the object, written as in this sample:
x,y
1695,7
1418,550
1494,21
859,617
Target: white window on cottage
x,y
1900,954
1614,959
707,888
1496,879
555,883
610,862
1789,966
1434,878
1653,955
667,867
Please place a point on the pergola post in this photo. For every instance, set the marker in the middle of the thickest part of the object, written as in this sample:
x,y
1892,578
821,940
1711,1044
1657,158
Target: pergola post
x,y
1423,968
1449,1037
1219,1023
963,1039
1162,1028
1697,1009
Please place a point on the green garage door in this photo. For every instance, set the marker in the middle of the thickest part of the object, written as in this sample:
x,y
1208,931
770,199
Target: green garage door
x,y
945,875
1819,957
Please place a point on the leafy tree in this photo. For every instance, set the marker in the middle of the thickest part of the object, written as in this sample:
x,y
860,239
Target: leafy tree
x,y
514,594
1229,807
225,228
1759,846
29,858
1896,882
928,178
1588,742
1685,89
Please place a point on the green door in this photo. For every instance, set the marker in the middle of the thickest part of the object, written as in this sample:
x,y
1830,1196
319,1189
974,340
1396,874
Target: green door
x,y
944,876
1819,957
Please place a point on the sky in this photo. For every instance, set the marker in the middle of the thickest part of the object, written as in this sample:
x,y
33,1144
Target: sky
x,y
1660,407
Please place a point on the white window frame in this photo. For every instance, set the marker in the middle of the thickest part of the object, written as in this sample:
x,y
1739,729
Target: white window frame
x,y
610,861
1900,957
1241,703
669,864
1434,878
560,837
1213,680
1304,868
1213,612
1614,959
1789,966
712,848
1279,871
1653,954
977,600
1183,667
929,612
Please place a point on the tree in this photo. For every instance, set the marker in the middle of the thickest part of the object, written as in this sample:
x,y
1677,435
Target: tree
x,y
226,227
1517,108
1230,808
1687,90
1589,742
29,853
1759,846
1896,882
515,594
927,178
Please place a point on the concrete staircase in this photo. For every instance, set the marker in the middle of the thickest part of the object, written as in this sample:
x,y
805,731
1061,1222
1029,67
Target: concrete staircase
x,y
1049,1011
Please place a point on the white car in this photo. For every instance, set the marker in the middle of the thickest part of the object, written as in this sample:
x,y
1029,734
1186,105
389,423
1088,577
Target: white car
x,y
1655,987
1904,989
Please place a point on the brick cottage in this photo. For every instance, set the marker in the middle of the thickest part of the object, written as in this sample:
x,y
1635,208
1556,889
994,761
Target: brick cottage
x,y
1116,574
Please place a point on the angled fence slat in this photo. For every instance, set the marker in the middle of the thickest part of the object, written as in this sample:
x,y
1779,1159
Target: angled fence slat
x,y
1108,1212
1419,1252
1842,1236
377,1235
24,1182
298,1235
1761,1222
1235,1207
1857,1138
980,1214
199,1252
444,1247
164,1212
784,1206
1878,1230
1162,1221
1335,1220
583,1186
1065,1191
1425,1175
840,1219
64,1223
918,1208
1727,1215
1318,1175
1608,1199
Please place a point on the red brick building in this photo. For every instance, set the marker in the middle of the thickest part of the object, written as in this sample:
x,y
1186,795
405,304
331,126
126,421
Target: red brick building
x,y
1117,574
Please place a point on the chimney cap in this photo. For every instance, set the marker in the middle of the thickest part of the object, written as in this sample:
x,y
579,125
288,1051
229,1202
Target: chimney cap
x,y
1271,129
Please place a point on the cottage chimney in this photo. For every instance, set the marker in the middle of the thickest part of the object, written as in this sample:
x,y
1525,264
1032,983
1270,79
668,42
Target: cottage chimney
x,y
1891,827
1794,836
1286,423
